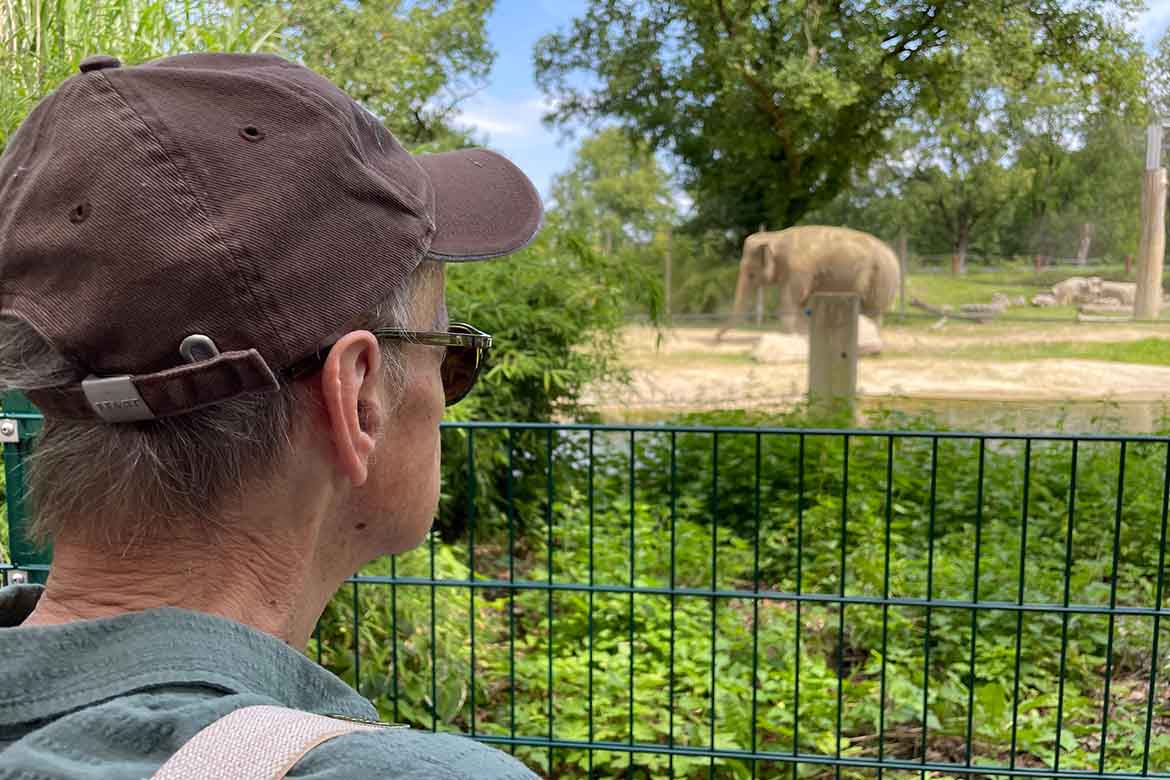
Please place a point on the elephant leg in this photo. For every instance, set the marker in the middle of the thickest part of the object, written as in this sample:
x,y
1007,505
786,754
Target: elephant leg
x,y
791,298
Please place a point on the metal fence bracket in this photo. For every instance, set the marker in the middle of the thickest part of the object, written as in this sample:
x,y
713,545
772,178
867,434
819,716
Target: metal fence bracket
x,y
9,431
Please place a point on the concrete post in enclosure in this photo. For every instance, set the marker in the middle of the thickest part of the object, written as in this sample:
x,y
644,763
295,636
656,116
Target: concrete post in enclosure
x,y
832,347
1152,248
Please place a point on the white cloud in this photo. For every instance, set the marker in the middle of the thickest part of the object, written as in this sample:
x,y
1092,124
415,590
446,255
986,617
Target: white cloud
x,y
505,119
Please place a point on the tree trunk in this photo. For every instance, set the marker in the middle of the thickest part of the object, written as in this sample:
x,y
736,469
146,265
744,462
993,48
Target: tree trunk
x,y
668,281
1085,243
959,258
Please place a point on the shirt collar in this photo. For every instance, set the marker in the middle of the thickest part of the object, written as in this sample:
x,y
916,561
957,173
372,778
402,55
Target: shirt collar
x,y
48,670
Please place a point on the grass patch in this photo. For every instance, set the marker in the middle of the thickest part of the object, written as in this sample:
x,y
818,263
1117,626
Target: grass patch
x,y
1148,351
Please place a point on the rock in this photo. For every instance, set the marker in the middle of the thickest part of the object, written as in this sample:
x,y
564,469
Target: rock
x,y
1020,301
1068,291
1044,299
1000,300
1122,292
1077,289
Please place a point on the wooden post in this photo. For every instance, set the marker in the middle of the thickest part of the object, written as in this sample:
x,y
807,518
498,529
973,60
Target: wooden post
x,y
904,267
1152,248
1038,263
760,292
1128,266
832,347
668,274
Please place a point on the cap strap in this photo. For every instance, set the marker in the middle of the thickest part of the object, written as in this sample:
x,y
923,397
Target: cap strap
x,y
162,394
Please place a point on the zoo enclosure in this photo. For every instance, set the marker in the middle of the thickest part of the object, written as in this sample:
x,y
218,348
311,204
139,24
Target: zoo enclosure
x,y
629,601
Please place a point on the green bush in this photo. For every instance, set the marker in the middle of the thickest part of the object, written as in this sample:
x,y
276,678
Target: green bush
x,y
572,523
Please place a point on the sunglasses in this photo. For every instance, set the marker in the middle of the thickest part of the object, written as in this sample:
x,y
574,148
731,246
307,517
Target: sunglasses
x,y
466,347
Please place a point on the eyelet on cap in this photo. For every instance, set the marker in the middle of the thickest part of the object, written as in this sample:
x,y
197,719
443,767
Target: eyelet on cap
x,y
251,133
80,213
99,62
197,348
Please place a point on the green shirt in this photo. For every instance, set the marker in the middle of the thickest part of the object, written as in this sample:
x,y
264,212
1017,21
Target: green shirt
x,y
112,699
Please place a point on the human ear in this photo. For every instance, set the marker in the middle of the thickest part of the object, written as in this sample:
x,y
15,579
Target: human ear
x,y
353,403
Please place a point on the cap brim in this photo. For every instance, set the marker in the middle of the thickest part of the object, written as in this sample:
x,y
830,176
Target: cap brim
x,y
484,205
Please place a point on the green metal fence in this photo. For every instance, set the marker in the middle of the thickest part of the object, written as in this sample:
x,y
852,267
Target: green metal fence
x,y
644,601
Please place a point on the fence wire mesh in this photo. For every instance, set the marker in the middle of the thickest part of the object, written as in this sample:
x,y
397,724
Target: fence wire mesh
x,y
645,601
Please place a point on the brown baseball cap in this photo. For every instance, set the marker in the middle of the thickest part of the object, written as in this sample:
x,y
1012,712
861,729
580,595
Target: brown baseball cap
x,y
188,228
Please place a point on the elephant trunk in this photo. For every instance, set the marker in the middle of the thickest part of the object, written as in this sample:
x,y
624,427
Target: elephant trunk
x,y
743,287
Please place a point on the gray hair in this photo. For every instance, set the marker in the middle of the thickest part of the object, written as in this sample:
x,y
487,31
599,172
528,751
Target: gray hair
x,y
100,482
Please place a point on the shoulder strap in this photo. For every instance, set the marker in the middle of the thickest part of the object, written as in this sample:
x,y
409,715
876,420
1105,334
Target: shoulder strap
x,y
261,742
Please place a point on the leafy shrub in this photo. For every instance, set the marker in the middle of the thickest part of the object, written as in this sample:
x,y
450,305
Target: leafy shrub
x,y
610,663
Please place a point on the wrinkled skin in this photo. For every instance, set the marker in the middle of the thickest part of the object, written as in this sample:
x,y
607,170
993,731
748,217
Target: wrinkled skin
x,y
816,258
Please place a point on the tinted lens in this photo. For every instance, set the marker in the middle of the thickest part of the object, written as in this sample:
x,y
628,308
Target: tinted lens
x,y
460,370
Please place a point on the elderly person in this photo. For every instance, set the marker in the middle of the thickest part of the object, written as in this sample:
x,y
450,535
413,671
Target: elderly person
x,y
221,280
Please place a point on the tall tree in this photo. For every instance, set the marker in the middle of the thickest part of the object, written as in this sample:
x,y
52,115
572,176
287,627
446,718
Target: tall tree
x,y
410,62
772,107
615,192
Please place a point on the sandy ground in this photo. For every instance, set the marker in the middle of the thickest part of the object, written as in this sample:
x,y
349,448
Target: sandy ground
x,y
685,369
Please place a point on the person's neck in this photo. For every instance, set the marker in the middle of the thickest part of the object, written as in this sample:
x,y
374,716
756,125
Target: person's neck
x,y
269,579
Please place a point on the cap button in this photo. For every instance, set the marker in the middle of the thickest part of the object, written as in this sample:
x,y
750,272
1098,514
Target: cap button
x,y
99,62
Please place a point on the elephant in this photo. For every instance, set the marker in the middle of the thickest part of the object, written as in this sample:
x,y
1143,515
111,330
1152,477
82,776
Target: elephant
x,y
816,258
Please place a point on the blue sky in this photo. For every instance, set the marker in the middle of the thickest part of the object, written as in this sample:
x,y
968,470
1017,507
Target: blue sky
x,y
507,112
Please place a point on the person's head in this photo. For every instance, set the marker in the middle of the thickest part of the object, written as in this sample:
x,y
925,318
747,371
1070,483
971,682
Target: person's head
x,y
222,283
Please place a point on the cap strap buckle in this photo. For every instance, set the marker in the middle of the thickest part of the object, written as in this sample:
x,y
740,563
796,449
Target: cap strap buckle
x,y
115,399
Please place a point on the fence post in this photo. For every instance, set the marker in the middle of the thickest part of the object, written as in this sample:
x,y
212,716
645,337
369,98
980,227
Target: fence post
x,y
669,274
23,553
832,347
1153,242
903,267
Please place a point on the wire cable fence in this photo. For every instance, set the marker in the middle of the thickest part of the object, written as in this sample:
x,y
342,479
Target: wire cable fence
x,y
655,601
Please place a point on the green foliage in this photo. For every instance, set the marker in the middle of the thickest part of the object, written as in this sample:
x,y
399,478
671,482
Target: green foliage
x,y
410,62
615,193
42,41
772,108
1147,351
555,311
608,662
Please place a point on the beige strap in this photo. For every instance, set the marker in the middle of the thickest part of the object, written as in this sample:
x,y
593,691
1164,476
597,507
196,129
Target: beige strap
x,y
262,742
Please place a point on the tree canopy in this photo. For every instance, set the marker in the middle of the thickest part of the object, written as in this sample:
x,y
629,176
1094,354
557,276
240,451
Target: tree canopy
x,y
772,108
614,191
